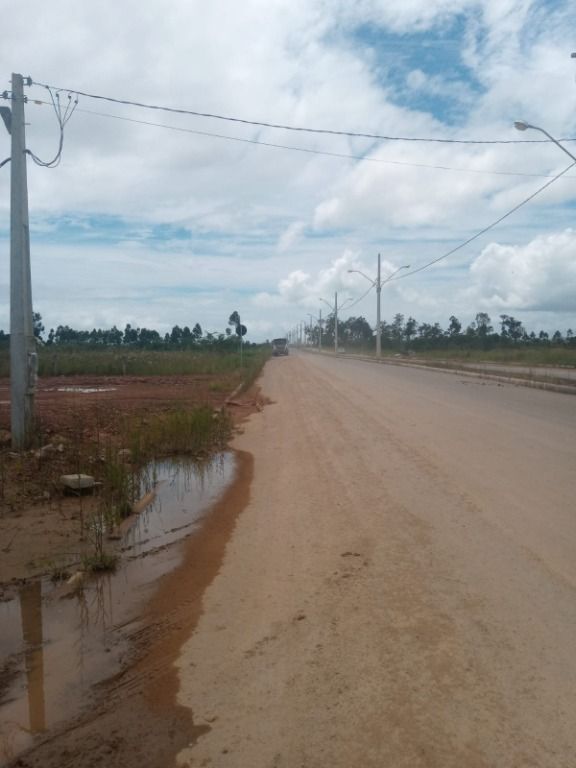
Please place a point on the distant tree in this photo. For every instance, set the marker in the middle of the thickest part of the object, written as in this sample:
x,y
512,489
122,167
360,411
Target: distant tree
x,y
357,330
130,335
234,318
397,328
148,337
37,325
176,335
483,325
410,329
511,328
455,327
557,338
197,331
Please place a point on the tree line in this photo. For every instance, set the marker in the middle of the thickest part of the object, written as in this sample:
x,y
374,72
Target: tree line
x,y
178,337
408,333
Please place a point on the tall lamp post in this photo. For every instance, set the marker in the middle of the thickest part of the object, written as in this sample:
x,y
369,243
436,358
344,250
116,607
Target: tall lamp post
x,y
520,125
334,309
378,283
312,318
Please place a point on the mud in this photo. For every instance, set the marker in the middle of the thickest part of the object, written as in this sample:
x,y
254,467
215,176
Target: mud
x,y
132,718
40,530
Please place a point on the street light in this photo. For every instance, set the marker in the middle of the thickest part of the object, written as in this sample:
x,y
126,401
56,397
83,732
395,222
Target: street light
x,y
334,309
311,326
520,125
378,283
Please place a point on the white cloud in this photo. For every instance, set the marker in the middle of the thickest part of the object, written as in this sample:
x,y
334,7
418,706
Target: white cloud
x,y
537,276
263,223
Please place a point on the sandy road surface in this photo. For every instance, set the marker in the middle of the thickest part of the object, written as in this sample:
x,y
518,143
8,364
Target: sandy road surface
x,y
400,590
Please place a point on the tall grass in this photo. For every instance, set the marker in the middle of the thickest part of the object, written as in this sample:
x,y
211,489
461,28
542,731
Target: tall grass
x,y
528,356
114,361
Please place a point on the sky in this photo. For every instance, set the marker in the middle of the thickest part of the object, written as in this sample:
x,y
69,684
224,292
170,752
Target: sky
x,y
156,219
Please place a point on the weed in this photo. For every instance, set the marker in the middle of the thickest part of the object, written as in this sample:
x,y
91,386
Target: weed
x,y
99,563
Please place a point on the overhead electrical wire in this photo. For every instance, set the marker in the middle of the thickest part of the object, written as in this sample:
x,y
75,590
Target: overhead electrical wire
x,y
485,229
284,127
306,150
62,116
478,234
360,299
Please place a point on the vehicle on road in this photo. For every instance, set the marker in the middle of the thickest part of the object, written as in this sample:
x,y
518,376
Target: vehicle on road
x,y
279,347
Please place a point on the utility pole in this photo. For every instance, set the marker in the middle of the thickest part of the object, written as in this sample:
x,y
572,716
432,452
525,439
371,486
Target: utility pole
x,y
378,328
23,357
378,283
336,322
320,330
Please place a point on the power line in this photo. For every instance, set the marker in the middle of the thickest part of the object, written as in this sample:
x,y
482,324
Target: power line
x,y
281,126
488,228
360,299
470,239
62,116
306,150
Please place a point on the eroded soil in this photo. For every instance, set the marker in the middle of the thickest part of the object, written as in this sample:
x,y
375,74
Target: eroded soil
x,y
41,528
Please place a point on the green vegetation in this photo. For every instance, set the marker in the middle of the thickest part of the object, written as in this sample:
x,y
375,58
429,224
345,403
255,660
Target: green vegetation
x,y
99,562
476,343
117,447
139,351
209,360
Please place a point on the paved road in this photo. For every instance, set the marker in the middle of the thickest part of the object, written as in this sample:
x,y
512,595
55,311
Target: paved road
x,y
401,588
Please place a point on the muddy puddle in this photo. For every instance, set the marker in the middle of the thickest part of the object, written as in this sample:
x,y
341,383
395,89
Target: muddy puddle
x,y
54,647
82,390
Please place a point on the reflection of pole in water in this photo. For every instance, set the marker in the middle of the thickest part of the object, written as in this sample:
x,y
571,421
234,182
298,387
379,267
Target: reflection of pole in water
x,y
31,615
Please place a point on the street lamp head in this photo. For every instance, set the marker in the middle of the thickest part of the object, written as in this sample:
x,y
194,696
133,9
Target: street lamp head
x,y
520,125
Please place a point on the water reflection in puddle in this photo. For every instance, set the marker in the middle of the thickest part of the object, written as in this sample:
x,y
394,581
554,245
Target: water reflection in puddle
x,y
53,649
82,390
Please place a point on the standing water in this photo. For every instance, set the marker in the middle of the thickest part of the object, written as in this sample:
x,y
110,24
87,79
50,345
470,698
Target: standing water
x,y
54,646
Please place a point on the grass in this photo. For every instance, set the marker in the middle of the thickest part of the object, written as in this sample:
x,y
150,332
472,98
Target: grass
x,y
510,355
117,448
528,356
99,562
115,361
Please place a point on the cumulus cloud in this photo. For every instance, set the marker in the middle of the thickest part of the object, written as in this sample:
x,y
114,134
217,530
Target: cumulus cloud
x,y
258,225
537,276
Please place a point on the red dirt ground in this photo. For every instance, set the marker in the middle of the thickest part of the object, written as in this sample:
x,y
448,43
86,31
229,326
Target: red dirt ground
x,y
36,521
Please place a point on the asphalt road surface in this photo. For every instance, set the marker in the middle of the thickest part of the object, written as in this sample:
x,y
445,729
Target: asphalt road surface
x,y
400,589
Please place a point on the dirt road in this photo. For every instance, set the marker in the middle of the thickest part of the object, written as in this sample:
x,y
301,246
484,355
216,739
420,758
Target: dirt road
x,y
400,589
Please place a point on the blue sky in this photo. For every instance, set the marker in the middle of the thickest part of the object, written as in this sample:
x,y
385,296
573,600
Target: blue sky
x,y
157,226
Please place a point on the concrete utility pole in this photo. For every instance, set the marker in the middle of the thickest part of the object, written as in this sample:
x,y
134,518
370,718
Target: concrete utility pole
x,y
320,330
378,326
336,322
378,283
23,357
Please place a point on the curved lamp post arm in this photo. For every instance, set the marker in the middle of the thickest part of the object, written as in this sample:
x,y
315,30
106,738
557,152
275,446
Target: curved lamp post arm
x,y
520,125
358,272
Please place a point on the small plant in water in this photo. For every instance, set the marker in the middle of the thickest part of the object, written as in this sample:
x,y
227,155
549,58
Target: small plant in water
x,y
99,562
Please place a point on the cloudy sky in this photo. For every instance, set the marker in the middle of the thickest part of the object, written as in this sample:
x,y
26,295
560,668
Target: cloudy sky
x,y
155,218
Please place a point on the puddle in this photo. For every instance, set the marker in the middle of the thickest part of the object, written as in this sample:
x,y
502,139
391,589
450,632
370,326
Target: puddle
x,y
83,390
54,649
